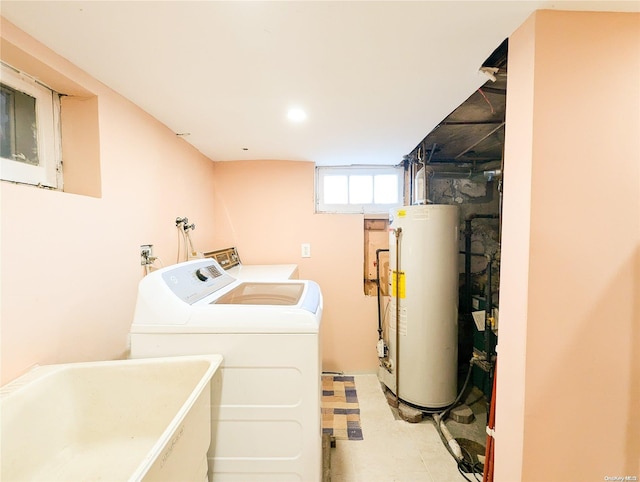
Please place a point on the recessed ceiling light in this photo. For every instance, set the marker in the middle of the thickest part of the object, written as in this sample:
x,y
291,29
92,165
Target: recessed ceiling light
x,y
296,114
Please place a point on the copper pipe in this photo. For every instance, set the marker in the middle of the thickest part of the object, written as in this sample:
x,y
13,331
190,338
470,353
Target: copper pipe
x,y
397,233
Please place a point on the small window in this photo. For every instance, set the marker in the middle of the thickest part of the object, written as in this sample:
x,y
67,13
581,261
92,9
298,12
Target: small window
x,y
362,189
29,130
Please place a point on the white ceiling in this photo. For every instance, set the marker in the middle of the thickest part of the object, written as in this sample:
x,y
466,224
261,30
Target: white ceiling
x,y
373,77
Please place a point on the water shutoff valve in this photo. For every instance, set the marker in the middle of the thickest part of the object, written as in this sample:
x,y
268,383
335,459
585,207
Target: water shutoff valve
x,y
146,253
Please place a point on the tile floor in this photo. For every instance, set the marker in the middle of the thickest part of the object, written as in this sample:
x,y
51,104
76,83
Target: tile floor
x,y
397,451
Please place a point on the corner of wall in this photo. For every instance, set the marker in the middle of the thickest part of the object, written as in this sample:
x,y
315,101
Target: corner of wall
x,y
81,145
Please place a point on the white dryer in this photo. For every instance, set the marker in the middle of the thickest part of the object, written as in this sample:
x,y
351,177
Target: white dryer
x,y
266,424
229,259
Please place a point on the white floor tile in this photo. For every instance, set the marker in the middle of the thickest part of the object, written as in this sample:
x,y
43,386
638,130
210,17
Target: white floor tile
x,y
392,450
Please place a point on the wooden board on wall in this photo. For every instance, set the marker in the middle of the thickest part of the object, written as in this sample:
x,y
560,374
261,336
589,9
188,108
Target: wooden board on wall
x,y
376,236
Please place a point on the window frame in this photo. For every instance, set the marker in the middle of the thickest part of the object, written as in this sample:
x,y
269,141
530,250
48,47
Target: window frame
x,y
48,173
365,208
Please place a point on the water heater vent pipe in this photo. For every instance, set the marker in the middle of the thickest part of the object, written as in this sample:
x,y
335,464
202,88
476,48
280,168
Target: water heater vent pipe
x,y
423,197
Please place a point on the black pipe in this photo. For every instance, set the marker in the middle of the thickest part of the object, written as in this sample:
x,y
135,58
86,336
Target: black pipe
x,y
378,251
488,338
489,349
467,265
479,255
488,309
467,255
471,217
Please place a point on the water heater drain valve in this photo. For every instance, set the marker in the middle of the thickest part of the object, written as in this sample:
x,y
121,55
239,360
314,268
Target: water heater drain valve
x,y
382,348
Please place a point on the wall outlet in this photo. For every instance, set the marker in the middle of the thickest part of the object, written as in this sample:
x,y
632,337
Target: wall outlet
x,y
306,250
146,252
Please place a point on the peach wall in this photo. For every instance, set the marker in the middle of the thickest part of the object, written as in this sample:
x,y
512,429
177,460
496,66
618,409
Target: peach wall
x,y
515,252
70,263
266,210
568,376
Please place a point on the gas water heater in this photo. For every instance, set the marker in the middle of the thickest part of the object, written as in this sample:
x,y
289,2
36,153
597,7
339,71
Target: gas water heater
x,y
422,359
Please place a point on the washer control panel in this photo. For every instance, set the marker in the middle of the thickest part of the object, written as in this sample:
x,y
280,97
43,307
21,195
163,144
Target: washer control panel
x,y
208,272
195,280
227,258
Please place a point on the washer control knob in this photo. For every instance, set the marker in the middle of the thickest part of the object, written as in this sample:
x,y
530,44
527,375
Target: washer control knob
x,y
203,274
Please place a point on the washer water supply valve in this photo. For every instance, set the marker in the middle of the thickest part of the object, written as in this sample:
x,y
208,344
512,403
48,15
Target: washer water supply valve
x,y
183,234
146,254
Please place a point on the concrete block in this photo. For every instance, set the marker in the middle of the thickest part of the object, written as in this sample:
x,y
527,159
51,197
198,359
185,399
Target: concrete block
x,y
409,414
391,398
462,414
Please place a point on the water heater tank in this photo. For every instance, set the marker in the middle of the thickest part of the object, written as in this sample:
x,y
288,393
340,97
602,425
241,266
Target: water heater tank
x,y
427,289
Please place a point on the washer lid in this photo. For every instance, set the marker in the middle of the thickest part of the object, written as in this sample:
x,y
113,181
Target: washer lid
x,y
287,294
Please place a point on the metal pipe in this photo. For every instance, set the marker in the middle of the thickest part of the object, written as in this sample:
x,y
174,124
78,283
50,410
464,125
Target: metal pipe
x,y
470,123
500,188
408,168
425,194
479,255
420,162
467,265
397,232
468,231
463,174
479,141
378,251
488,317
473,216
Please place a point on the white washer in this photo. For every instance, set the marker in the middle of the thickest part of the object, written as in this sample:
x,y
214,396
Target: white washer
x,y
266,425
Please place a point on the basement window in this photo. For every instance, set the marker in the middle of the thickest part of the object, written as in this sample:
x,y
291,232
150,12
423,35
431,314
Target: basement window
x,y
358,189
29,130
